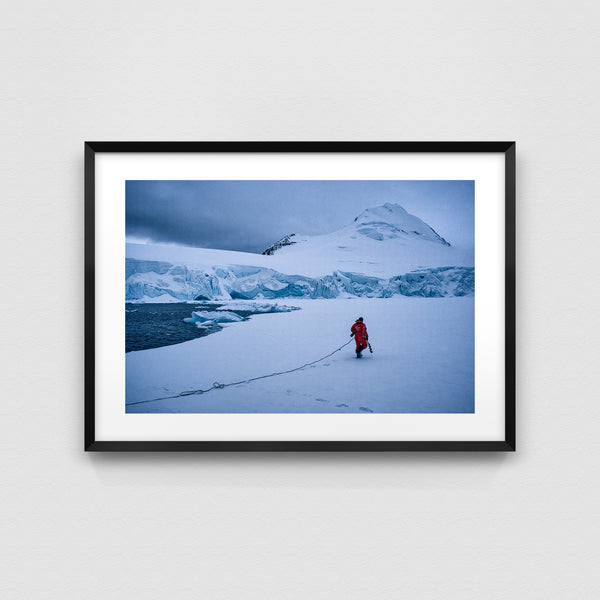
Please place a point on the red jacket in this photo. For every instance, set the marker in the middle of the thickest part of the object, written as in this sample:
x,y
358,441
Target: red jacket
x,y
359,329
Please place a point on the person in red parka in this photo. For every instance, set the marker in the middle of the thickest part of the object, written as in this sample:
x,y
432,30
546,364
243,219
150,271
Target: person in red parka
x,y
359,331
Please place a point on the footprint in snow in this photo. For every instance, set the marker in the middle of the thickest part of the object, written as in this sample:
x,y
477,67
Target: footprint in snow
x,y
365,409
320,400
341,406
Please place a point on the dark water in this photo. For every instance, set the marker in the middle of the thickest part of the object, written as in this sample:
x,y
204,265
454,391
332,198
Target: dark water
x,y
156,325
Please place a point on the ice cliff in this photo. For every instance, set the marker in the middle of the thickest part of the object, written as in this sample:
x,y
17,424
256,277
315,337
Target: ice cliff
x,y
146,280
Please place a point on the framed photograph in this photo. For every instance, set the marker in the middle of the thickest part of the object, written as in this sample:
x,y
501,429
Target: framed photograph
x,y
299,296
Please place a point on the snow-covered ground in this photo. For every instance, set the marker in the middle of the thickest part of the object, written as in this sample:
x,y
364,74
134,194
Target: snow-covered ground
x,y
423,361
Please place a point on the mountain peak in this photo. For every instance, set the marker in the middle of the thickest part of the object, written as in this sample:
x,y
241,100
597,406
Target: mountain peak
x,y
390,221
393,221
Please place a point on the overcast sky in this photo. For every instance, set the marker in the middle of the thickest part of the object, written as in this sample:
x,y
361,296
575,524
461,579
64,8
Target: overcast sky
x,y
251,215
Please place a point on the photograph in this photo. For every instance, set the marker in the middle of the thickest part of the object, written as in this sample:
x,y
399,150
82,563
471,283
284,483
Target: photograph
x,y
300,296
279,321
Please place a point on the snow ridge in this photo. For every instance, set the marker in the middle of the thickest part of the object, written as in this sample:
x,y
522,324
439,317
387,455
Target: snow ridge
x,y
284,241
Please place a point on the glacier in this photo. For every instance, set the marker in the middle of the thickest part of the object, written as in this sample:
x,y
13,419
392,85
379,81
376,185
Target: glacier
x,y
152,281
384,252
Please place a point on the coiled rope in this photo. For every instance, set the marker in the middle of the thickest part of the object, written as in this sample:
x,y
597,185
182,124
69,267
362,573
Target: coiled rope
x,y
219,386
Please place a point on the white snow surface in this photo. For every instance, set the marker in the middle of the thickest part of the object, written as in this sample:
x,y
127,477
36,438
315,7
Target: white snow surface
x,y
423,361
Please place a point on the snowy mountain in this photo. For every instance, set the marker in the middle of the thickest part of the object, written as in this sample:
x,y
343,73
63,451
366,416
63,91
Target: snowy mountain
x,y
382,241
383,252
387,222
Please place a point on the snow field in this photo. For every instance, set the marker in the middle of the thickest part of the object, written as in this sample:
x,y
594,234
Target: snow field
x,y
423,361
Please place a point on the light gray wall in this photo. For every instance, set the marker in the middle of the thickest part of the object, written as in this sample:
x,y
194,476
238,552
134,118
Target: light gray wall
x,y
321,526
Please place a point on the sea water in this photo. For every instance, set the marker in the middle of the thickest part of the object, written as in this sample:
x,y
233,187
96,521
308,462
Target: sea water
x,y
156,325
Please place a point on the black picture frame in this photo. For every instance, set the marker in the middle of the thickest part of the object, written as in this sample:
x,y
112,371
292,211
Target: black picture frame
x,y
507,148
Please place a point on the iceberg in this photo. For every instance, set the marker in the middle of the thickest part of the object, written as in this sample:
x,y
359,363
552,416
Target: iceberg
x,y
202,318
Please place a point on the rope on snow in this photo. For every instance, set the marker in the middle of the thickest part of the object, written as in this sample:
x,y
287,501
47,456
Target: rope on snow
x,y
219,386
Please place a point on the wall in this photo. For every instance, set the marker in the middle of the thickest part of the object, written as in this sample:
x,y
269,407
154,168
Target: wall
x,y
293,526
